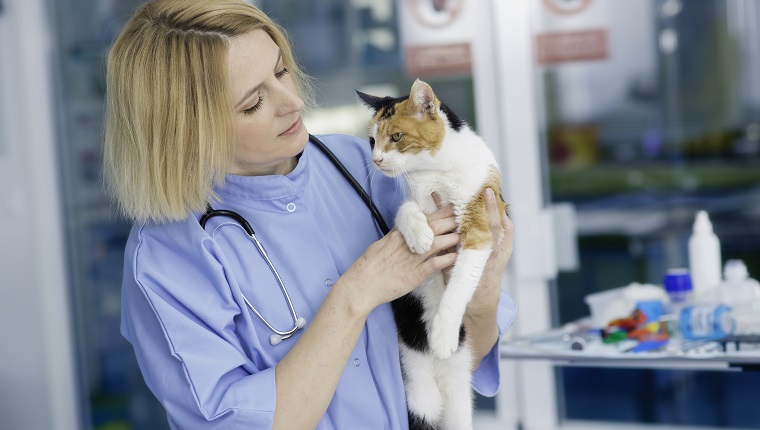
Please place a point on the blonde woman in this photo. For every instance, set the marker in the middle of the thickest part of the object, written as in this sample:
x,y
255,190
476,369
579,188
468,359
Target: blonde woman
x,y
204,109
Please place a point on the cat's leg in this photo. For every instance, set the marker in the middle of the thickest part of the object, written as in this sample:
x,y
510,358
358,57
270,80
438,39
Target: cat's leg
x,y
423,395
456,385
465,276
413,225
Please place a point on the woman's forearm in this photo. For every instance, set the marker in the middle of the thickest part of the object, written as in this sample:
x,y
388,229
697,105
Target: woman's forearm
x,y
306,378
482,334
480,320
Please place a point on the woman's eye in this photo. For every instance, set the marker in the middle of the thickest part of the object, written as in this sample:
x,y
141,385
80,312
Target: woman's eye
x,y
282,72
255,107
397,136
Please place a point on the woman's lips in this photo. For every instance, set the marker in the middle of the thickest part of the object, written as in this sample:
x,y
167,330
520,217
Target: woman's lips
x,y
293,128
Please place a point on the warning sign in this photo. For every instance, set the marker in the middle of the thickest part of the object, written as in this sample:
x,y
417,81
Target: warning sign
x,y
436,36
553,48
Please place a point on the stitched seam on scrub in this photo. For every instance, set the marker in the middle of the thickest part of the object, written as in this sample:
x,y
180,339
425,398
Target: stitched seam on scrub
x,y
171,344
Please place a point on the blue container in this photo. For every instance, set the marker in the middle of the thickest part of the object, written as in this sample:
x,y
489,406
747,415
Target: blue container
x,y
706,322
678,286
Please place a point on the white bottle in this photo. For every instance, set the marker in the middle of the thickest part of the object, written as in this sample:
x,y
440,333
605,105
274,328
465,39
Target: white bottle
x,y
704,256
738,289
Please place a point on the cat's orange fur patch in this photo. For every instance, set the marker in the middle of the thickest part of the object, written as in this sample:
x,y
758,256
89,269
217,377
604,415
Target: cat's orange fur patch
x,y
420,134
475,229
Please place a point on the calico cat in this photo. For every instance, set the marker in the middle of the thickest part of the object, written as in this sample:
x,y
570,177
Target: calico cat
x,y
422,139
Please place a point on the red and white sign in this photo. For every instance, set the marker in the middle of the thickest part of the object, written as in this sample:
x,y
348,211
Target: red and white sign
x,y
572,30
553,48
436,36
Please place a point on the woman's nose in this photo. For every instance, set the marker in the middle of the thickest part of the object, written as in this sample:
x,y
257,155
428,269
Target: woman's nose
x,y
290,101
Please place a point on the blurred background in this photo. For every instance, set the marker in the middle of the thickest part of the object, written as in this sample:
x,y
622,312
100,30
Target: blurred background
x,y
614,122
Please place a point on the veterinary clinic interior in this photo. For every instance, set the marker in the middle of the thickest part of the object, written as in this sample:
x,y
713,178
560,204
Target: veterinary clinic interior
x,y
628,134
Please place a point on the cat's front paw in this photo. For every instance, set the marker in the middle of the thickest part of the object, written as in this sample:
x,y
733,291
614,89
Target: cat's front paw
x,y
417,233
443,338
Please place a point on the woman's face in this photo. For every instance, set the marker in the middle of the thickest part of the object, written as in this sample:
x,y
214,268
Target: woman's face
x,y
267,108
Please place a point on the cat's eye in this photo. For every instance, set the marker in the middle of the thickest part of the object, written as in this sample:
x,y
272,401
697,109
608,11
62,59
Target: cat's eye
x,y
397,136
372,143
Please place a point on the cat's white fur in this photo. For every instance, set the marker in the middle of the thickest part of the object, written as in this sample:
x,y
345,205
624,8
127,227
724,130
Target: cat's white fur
x,y
439,384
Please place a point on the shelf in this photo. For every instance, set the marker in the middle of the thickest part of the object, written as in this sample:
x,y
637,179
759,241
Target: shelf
x,y
612,179
554,346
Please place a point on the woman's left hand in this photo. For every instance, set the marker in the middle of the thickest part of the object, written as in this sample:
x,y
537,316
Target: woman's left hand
x,y
486,297
480,317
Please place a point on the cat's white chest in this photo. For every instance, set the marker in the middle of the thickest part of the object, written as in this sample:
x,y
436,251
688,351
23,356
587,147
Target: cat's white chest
x,y
455,187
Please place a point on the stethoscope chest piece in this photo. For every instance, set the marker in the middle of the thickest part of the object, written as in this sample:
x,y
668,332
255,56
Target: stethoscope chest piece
x,y
241,223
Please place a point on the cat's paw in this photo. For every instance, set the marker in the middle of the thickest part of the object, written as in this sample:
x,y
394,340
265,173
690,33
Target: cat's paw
x,y
417,233
443,338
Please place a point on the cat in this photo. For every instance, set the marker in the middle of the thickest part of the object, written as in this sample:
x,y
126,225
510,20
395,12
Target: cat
x,y
422,139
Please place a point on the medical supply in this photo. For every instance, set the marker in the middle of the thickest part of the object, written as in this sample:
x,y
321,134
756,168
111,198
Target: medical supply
x,y
616,303
643,324
704,255
706,322
746,319
649,346
737,288
678,284
242,223
652,309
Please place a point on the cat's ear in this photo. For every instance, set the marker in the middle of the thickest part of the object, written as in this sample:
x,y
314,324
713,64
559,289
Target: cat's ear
x,y
423,97
371,101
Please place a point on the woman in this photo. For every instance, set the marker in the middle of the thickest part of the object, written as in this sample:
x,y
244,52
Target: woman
x,y
204,108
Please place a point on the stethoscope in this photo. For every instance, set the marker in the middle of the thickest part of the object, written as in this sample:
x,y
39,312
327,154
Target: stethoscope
x,y
240,221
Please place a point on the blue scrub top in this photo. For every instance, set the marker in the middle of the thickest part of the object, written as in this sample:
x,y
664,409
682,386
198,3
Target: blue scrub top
x,y
207,357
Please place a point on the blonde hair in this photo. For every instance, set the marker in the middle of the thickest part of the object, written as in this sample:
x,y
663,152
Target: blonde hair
x,y
169,129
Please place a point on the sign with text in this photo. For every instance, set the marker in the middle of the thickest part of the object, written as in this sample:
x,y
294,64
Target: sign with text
x,y
436,36
553,48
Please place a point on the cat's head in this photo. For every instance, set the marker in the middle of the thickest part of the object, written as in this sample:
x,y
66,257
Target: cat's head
x,y
405,133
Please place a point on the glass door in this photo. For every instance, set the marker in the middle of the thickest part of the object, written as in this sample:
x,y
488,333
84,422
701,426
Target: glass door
x,y
645,113
112,390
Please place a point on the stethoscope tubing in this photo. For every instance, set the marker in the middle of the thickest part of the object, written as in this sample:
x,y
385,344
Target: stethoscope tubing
x,y
265,256
241,222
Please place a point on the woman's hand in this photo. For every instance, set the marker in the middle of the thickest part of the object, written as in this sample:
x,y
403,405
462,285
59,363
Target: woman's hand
x,y
488,293
388,269
480,316
308,375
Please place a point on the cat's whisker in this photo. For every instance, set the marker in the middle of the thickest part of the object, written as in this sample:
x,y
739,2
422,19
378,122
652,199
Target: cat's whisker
x,y
370,171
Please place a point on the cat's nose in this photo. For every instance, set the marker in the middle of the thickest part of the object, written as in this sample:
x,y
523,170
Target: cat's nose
x,y
377,160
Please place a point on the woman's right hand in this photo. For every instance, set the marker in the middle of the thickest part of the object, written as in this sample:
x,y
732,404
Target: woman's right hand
x,y
388,269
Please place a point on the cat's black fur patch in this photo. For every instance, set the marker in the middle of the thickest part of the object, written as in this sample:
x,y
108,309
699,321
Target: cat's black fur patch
x,y
417,423
379,103
407,311
388,104
455,122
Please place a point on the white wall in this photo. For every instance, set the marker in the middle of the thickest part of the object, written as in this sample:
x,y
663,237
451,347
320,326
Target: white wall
x,y
37,389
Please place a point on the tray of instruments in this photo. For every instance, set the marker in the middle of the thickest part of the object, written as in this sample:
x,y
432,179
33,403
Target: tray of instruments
x,y
578,344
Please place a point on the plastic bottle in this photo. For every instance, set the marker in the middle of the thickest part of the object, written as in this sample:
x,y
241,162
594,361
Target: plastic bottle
x,y
710,322
737,289
678,285
704,256
705,322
